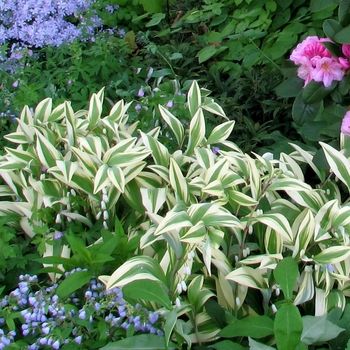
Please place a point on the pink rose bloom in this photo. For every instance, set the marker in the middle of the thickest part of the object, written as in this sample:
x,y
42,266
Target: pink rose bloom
x,y
346,50
327,69
345,125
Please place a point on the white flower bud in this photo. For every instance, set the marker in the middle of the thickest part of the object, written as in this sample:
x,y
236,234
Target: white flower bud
x,y
278,292
236,258
274,308
104,131
105,225
187,270
58,219
244,252
183,286
103,205
177,302
250,229
238,302
42,177
98,215
179,288
105,198
72,191
328,192
248,250
105,215
317,267
104,191
259,212
242,288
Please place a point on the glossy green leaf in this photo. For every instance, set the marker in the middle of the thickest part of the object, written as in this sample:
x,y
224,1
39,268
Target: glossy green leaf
x,y
139,342
72,283
288,326
316,92
251,326
286,274
147,290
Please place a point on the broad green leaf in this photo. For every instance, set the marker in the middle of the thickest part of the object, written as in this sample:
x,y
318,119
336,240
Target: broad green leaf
x,y
288,326
194,98
221,132
174,124
247,276
170,322
147,290
332,255
254,345
341,217
205,157
19,155
197,131
318,5
194,289
286,274
73,282
251,326
343,36
139,342
338,163
314,92
314,329
226,345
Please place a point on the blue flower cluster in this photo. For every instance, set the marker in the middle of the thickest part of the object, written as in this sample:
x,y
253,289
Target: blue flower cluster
x,y
37,23
47,321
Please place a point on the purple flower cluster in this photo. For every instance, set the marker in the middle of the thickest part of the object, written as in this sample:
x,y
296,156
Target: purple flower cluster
x,y
44,314
37,23
40,22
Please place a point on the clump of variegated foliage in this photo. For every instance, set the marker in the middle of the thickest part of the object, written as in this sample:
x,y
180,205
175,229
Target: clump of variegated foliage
x,y
230,245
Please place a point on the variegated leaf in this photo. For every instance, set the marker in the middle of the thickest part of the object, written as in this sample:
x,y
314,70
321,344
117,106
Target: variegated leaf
x,y
173,221
174,124
249,277
95,110
153,199
101,178
221,132
178,181
116,176
196,132
43,110
332,255
194,98
136,268
279,223
47,153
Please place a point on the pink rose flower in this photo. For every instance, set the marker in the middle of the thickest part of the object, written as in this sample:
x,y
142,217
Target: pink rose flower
x,y
326,70
345,125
